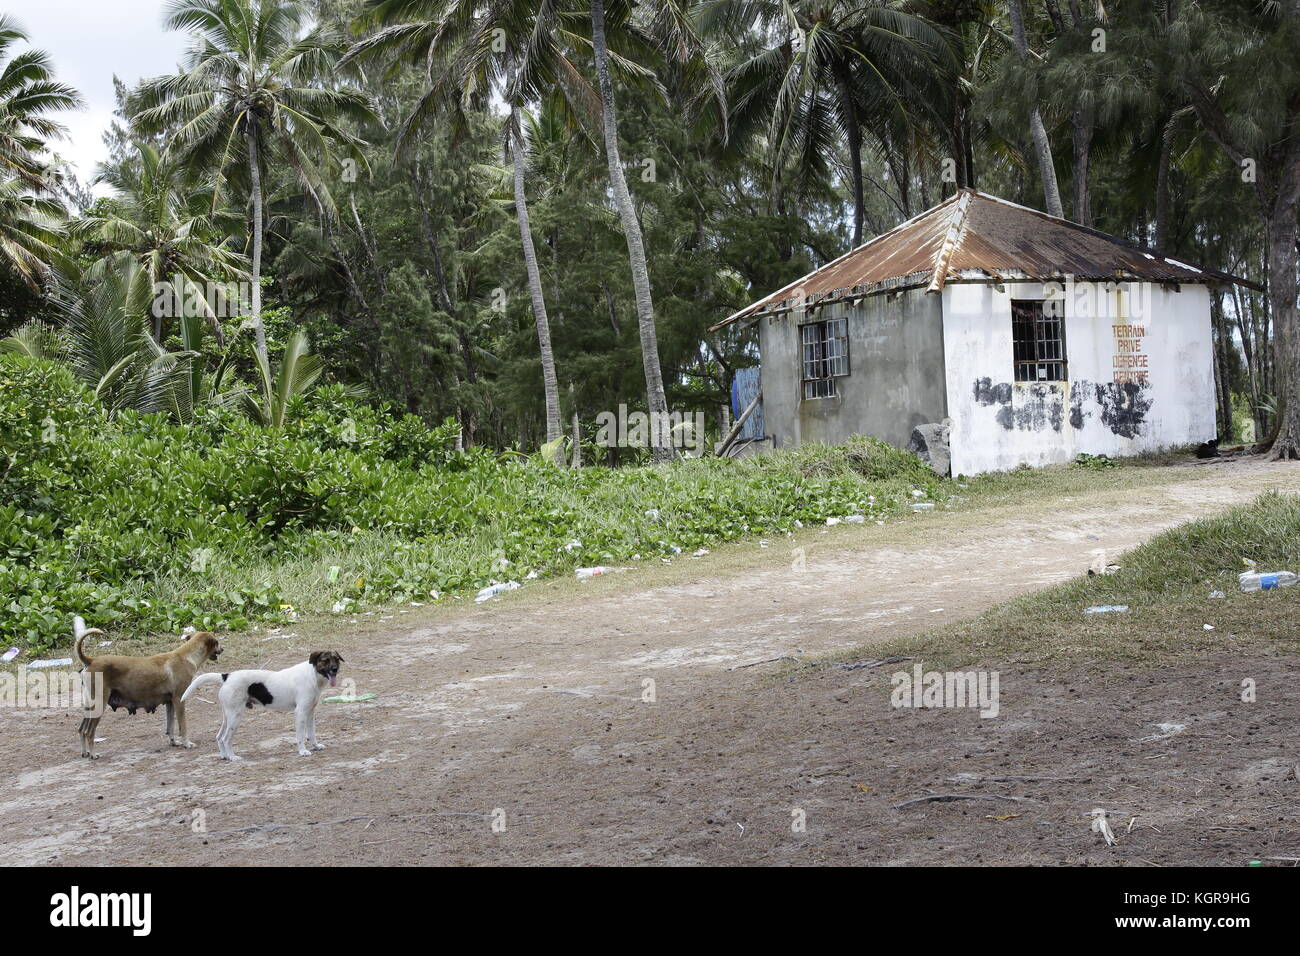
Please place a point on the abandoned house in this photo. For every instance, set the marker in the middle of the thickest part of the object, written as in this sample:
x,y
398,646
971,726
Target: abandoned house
x,y
1020,337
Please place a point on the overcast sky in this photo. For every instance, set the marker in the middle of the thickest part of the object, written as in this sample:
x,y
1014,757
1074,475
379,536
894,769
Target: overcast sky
x,y
89,41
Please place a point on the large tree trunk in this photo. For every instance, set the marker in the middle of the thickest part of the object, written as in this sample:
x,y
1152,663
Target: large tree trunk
x,y
1042,147
654,382
255,188
1162,187
1082,121
1221,334
1282,294
549,385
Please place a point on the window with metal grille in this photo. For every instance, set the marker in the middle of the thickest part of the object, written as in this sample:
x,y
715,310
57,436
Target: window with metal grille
x,y
825,356
1038,340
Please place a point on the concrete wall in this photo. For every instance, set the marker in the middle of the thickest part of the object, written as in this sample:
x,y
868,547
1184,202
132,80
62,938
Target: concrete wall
x,y
999,423
895,380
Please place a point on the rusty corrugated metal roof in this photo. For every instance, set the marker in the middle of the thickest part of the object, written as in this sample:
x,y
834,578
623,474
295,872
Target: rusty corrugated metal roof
x,y
972,236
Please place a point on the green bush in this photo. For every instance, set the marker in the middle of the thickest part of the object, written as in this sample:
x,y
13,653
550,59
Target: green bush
x,y
134,522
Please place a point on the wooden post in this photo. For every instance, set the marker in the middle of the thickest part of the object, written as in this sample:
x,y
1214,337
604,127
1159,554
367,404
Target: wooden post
x,y
739,424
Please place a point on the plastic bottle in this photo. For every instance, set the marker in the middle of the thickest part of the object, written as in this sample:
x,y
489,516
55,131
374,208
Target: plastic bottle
x,y
1254,581
493,590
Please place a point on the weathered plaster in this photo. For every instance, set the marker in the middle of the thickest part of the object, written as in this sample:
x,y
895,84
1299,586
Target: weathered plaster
x,y
999,423
896,372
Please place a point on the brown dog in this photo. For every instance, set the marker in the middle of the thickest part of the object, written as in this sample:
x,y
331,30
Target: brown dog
x,y
139,683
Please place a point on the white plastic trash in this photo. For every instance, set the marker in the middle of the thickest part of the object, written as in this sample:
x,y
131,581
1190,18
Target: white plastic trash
x,y
58,662
921,505
1107,609
1254,581
493,590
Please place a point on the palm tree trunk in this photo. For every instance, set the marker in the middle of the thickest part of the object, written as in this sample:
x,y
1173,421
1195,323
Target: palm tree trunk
x,y
255,180
654,381
854,133
549,384
1042,146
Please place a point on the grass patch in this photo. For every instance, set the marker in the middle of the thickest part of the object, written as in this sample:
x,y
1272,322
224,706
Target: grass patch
x,y
1166,584
143,525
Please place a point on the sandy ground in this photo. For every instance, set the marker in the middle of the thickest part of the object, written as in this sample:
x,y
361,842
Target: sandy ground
x,y
620,721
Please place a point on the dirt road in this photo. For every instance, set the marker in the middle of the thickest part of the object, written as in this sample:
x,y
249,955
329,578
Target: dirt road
x,y
615,721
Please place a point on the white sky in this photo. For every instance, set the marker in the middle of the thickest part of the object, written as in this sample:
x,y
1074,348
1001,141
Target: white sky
x,y
89,41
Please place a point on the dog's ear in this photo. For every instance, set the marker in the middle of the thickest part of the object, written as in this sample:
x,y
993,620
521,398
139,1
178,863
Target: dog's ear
x,y
314,658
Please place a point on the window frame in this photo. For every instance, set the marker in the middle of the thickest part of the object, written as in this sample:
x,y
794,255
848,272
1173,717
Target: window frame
x,y
1041,356
823,356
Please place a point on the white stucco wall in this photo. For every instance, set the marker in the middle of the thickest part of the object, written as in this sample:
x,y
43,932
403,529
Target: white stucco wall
x,y
998,423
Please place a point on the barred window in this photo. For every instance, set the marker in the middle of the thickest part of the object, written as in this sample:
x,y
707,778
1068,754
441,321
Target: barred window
x,y
825,356
1038,340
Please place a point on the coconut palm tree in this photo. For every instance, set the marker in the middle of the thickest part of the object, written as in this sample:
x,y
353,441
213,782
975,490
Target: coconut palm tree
x,y
31,232
656,399
104,339
517,47
296,375
29,95
168,228
1037,130
30,215
249,94
832,72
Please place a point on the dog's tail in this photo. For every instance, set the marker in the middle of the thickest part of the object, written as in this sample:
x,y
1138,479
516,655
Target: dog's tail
x,y
82,632
200,681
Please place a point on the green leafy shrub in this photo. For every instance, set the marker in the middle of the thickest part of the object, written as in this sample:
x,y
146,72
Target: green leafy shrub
x,y
134,522
1094,462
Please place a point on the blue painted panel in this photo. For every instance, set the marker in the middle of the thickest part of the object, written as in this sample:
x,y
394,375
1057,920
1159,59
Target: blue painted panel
x,y
744,387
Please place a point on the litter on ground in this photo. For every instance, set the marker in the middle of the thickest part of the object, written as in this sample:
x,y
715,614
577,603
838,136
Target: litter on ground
x,y
1166,730
493,590
1099,825
1254,581
1107,609
349,698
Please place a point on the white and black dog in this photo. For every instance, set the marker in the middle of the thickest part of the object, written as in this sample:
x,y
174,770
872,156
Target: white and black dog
x,y
296,688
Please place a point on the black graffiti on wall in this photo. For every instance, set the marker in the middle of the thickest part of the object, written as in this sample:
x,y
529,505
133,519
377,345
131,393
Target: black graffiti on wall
x,y
1123,407
1039,405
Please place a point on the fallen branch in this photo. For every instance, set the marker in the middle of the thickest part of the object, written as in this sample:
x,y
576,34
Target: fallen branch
x,y
859,665
949,797
771,660
271,827
1015,778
